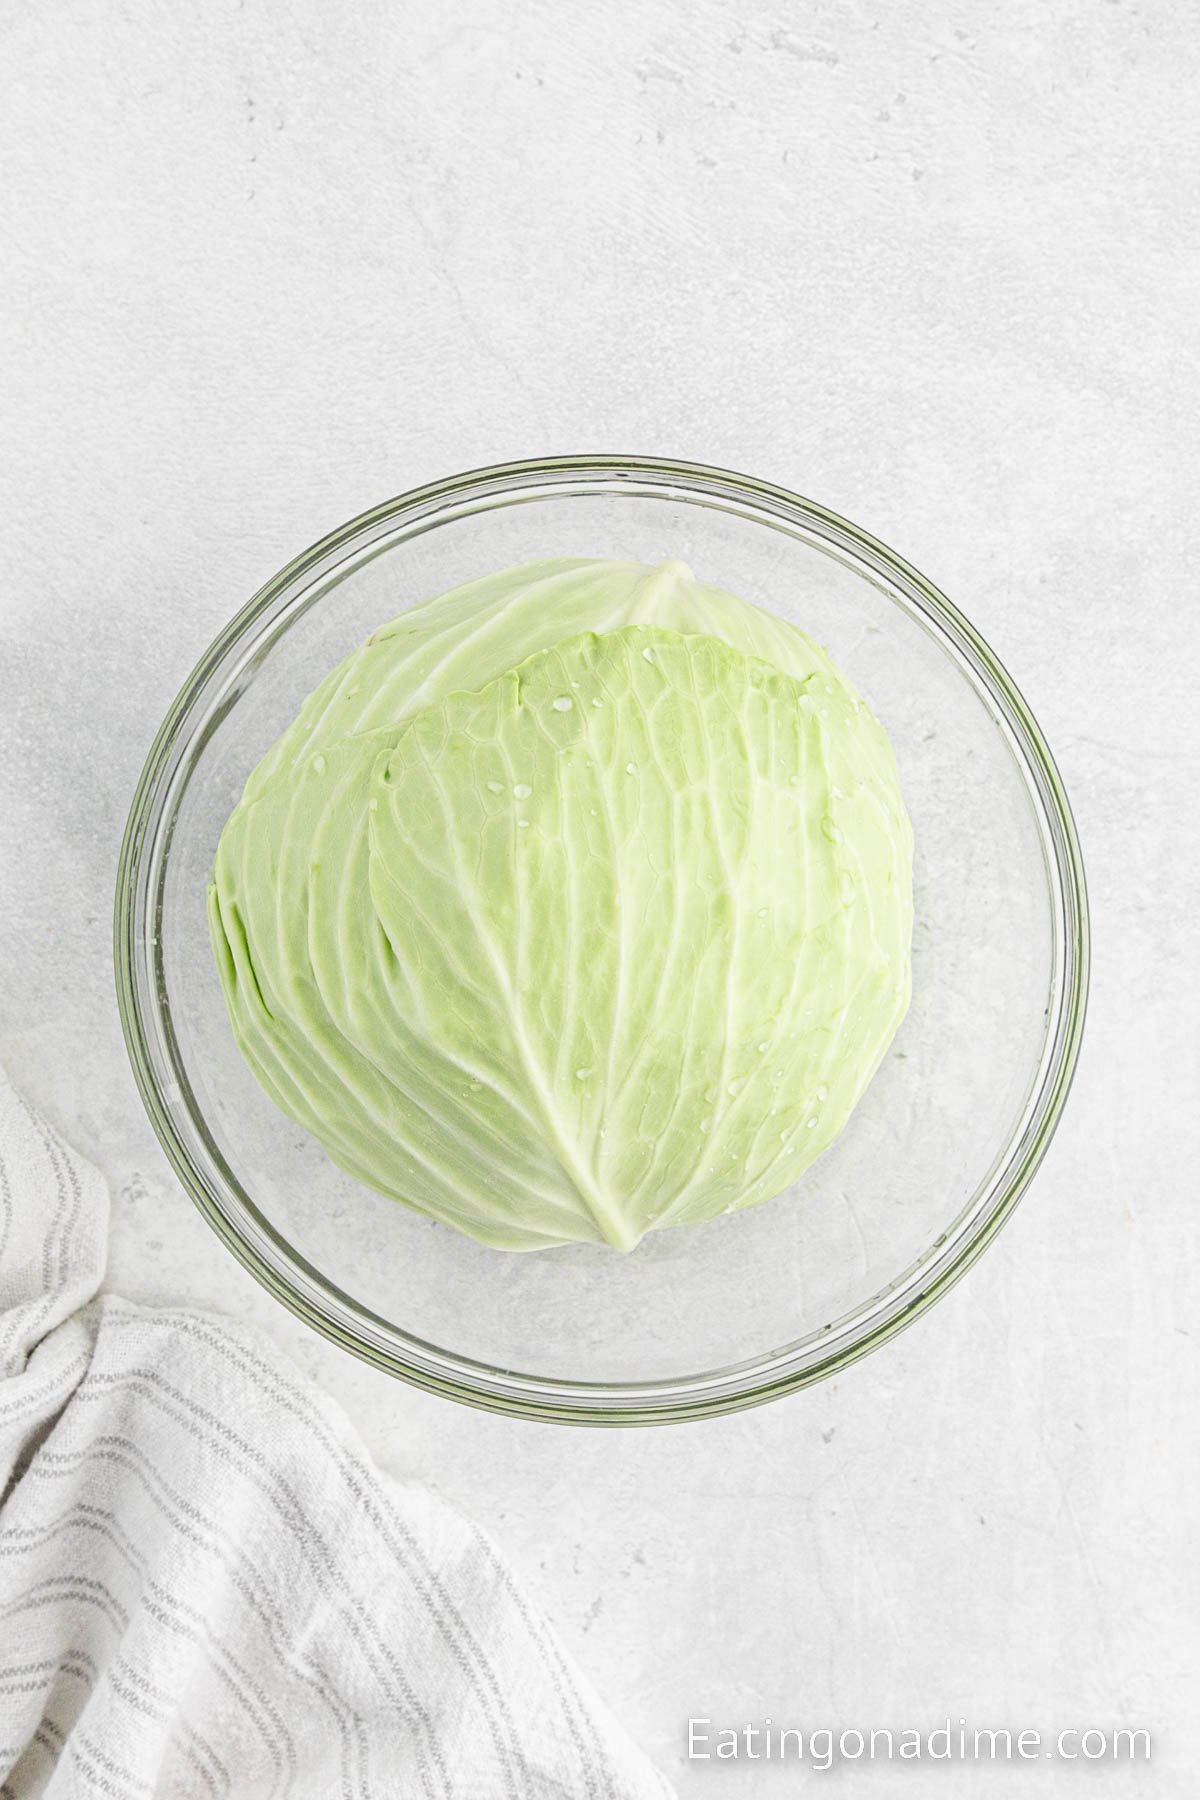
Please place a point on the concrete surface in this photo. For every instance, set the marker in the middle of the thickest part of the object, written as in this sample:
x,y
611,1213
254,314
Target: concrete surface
x,y
929,263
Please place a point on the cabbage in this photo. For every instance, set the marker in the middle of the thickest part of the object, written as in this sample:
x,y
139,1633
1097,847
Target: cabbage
x,y
575,903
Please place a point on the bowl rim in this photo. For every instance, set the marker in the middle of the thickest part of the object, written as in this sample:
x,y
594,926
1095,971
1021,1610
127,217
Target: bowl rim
x,y
143,1004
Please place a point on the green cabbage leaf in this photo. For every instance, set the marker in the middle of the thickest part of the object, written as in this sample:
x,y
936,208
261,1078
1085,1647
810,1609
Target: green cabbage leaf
x,y
574,904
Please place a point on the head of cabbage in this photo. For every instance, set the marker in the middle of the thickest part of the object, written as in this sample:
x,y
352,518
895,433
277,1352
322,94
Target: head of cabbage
x,y
575,903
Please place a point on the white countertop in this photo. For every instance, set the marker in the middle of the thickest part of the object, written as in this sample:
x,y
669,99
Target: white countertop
x,y
269,263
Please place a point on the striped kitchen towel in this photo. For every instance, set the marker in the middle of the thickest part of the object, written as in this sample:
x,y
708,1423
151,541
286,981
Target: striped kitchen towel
x,y
205,1586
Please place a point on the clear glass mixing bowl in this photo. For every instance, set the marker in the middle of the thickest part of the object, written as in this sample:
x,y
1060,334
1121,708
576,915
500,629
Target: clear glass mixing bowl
x,y
707,1318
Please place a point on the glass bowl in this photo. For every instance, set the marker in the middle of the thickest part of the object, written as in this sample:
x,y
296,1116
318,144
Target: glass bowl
x,y
701,1319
